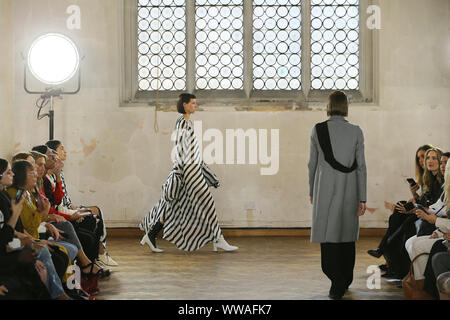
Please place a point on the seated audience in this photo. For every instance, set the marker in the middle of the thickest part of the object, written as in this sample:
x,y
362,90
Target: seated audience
x,y
26,268
402,222
35,210
67,206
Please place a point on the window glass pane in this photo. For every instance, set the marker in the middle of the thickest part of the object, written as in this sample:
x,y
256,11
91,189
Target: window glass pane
x,y
161,45
335,44
219,44
277,45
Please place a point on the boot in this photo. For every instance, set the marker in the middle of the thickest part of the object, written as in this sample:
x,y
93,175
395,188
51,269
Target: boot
x,y
150,238
222,244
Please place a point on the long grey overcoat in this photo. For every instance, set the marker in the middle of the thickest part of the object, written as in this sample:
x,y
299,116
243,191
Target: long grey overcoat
x,y
336,195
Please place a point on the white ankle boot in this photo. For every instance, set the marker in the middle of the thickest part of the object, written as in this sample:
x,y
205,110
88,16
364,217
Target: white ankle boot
x,y
146,240
222,244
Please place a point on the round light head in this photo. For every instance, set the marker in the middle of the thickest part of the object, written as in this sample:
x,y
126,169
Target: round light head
x,y
53,58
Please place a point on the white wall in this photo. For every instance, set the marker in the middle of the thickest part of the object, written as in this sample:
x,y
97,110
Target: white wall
x,y
6,79
117,161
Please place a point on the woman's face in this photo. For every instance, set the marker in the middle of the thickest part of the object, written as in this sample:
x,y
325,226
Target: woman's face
x,y
432,162
31,179
444,160
62,154
421,157
190,107
40,167
7,177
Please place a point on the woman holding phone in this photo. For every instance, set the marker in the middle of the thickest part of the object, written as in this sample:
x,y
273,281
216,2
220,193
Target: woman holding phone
x,y
186,212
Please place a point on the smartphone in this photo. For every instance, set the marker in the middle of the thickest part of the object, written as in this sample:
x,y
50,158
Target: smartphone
x,y
18,195
411,181
421,207
409,206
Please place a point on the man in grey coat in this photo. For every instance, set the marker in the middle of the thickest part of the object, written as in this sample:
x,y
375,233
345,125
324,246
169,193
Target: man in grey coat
x,y
337,180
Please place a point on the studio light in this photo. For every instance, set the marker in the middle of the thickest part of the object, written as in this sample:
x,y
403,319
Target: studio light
x,y
53,59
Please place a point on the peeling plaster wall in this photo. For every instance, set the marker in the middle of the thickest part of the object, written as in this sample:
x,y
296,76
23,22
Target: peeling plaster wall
x,y
117,161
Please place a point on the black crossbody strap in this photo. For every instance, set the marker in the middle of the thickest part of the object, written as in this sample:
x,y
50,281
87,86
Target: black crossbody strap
x,y
325,144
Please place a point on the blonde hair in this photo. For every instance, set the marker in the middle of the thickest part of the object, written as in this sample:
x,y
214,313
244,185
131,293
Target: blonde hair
x,y
428,175
419,169
447,185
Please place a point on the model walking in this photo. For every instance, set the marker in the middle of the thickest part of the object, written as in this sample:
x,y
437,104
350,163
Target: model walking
x,y
337,180
186,211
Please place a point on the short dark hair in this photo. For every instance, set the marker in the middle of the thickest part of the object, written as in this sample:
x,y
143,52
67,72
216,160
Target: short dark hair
x,y
337,104
20,168
53,144
446,154
184,98
42,149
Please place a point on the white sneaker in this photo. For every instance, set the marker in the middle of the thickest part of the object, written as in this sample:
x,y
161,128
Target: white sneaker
x,y
222,244
106,260
146,240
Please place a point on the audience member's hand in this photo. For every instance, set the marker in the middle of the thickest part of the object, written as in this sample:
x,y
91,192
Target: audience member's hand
x,y
400,207
3,291
56,218
447,236
362,209
58,166
414,188
43,205
434,235
429,217
55,233
41,270
17,207
76,217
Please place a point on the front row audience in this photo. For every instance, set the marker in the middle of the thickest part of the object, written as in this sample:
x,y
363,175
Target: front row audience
x,y
38,242
419,229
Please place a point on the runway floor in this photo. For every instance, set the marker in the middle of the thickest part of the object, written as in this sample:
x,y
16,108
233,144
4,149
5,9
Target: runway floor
x,y
264,268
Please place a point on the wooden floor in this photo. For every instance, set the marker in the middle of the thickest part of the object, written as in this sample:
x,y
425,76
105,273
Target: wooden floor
x,y
266,268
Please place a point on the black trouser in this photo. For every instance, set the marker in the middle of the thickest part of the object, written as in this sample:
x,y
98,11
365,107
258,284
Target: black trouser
x,y
86,232
430,278
338,261
396,220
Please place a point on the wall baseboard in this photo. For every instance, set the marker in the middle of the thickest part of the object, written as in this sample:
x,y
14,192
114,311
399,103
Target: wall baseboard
x,y
249,232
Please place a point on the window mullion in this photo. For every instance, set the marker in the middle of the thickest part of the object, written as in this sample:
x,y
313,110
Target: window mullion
x,y
306,47
190,46
248,47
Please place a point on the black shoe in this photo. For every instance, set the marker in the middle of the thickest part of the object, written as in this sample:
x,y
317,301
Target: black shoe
x,y
375,253
154,232
336,294
383,267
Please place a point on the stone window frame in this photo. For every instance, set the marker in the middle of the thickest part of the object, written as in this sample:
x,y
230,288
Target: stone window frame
x,y
246,99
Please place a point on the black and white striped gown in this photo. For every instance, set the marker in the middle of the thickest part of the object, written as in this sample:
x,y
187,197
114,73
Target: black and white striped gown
x,y
186,206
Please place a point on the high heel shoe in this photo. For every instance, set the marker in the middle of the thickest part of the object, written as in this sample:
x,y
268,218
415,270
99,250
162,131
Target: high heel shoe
x,y
146,240
222,244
